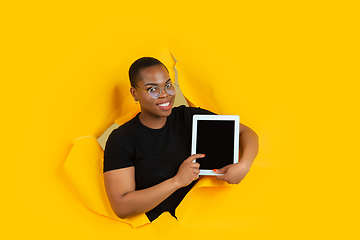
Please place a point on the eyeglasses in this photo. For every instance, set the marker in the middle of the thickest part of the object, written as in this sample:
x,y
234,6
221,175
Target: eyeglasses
x,y
155,91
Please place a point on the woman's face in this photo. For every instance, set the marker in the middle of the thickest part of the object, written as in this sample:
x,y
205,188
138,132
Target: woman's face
x,y
150,77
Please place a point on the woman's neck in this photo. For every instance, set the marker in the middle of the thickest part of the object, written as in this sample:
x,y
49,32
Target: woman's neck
x,y
154,122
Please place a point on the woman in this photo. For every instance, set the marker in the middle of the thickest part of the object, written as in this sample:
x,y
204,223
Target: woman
x,y
147,163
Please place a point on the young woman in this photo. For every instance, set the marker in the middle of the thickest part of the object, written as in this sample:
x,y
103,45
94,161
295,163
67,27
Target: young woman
x,y
147,163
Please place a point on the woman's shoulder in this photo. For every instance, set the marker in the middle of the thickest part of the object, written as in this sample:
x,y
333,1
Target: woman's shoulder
x,y
190,110
183,114
125,130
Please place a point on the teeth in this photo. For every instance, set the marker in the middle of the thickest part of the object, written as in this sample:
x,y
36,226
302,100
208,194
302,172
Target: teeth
x,y
164,104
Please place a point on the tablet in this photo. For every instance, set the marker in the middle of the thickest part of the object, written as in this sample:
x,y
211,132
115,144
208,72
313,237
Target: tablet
x,y
216,136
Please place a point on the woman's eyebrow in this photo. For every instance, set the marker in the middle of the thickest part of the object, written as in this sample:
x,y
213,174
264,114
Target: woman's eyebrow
x,y
155,84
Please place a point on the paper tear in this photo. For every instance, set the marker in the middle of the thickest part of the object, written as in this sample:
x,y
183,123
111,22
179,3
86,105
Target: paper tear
x,y
84,168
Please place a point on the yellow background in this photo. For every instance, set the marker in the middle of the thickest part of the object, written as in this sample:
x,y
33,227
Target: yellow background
x,y
290,69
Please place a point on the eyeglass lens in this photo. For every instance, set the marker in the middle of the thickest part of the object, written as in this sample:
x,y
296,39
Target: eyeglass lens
x,y
156,91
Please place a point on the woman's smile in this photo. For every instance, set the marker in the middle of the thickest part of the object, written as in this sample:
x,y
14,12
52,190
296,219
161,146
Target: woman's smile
x,y
165,105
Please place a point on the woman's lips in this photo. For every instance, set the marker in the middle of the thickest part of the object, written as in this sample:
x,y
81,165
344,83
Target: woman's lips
x,y
165,105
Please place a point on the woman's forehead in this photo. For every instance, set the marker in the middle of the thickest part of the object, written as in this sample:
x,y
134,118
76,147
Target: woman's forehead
x,y
155,74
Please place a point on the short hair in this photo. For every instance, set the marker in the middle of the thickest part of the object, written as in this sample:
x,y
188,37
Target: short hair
x,y
140,64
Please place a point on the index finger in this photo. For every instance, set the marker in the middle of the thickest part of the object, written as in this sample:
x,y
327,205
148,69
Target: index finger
x,y
195,156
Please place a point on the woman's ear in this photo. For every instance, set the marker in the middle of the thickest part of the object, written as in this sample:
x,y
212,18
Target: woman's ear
x,y
134,93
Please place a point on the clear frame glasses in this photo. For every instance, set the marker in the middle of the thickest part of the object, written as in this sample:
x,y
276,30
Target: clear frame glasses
x,y
155,91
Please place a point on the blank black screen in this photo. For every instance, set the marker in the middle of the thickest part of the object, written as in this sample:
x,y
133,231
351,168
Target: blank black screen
x,y
215,139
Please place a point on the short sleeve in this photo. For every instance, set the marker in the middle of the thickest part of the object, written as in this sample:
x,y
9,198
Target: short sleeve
x,y
117,152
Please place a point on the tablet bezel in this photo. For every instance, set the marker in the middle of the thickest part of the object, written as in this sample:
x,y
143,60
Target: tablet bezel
x,y
234,118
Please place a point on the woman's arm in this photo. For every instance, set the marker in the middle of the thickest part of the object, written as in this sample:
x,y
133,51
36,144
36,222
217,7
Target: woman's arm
x,y
249,147
125,201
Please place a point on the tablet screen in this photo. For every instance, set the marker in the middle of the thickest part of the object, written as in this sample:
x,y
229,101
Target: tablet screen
x,y
215,139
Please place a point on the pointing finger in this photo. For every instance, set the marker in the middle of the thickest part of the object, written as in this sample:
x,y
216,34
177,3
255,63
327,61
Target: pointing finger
x,y
195,156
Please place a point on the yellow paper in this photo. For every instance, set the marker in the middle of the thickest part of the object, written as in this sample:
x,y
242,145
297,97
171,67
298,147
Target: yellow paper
x,y
290,69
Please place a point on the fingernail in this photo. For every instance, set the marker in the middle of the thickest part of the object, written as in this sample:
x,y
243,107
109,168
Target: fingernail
x,y
203,155
214,170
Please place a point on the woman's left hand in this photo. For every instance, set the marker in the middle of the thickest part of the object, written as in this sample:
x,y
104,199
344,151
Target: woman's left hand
x,y
233,173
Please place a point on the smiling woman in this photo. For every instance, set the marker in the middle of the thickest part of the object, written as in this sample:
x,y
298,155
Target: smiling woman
x,y
147,163
155,104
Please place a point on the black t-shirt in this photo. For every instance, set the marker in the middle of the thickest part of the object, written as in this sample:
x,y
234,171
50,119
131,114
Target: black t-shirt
x,y
156,154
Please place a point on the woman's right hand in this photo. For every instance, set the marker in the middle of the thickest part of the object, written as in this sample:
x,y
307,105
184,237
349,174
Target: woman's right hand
x,y
188,171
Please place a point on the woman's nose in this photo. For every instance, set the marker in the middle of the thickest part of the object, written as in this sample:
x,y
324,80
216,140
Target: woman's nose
x,y
163,93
